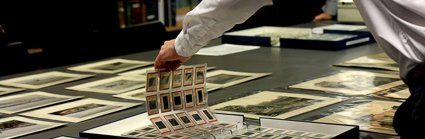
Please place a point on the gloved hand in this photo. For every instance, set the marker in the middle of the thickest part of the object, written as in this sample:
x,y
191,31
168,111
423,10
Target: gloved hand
x,y
168,59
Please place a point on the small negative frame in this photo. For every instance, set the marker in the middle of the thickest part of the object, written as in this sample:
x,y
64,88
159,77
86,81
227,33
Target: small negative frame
x,y
188,76
207,114
160,125
152,82
198,118
189,98
152,104
177,100
200,72
164,80
200,96
165,102
185,119
172,120
177,78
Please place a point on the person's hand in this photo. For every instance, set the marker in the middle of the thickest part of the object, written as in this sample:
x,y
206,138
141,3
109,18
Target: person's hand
x,y
322,16
168,59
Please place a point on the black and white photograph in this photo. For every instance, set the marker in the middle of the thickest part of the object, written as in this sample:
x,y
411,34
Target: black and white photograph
x,y
189,98
111,66
16,126
113,85
177,99
152,81
184,117
207,114
141,72
28,101
174,122
165,102
398,92
177,78
42,80
80,110
152,104
7,90
197,117
200,72
139,94
160,125
201,96
188,76
375,61
164,80
226,78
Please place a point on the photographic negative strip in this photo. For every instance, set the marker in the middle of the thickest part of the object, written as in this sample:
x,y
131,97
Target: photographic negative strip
x,y
200,72
208,115
189,98
111,66
152,81
152,104
184,117
16,126
80,110
160,125
188,76
198,118
6,90
41,80
164,80
139,94
23,102
177,78
114,85
200,96
225,78
165,102
177,100
175,124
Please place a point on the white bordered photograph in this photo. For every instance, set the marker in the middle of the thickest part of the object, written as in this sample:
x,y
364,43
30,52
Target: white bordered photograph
x,y
160,125
164,80
41,80
226,78
172,120
398,92
7,90
184,117
351,83
188,76
375,116
196,117
177,99
207,114
152,78
16,126
189,98
279,104
111,66
152,104
80,110
165,99
139,94
138,72
201,96
177,78
200,72
28,101
113,85
377,61
225,49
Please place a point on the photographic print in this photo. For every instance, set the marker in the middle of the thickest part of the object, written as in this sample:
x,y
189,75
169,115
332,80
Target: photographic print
x,y
111,66
23,102
225,78
160,125
207,114
352,83
376,61
184,117
172,120
196,117
41,80
6,90
188,76
139,94
152,105
152,81
273,104
165,102
177,78
399,92
201,98
200,72
114,85
374,116
13,127
189,98
177,100
164,80
138,72
80,110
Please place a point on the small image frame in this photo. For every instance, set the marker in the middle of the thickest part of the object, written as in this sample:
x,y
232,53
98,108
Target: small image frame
x,y
175,124
152,82
200,74
200,96
197,117
188,76
185,119
177,98
165,102
152,103
207,114
164,80
177,78
160,125
189,98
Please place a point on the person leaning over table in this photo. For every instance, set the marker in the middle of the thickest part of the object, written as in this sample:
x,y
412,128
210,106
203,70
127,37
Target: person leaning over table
x,y
397,25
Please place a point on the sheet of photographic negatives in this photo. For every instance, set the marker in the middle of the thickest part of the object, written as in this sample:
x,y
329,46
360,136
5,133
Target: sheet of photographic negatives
x,y
80,110
113,85
226,78
111,66
377,61
272,133
373,116
16,126
41,80
352,83
139,94
398,92
23,102
8,90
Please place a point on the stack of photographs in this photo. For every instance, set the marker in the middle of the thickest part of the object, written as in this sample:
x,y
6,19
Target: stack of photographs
x,y
80,110
41,80
6,90
274,104
28,101
13,127
114,85
225,78
272,133
352,83
399,92
376,61
111,66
